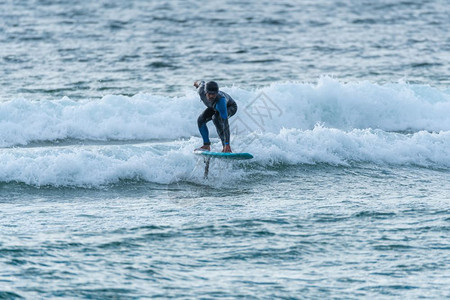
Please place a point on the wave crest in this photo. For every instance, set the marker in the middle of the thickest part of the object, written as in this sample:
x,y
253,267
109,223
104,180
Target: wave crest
x,y
346,106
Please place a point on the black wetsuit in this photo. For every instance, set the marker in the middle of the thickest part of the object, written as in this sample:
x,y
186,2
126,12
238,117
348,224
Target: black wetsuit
x,y
219,111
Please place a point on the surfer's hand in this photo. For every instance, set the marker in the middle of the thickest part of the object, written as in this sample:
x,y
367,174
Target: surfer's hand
x,y
226,149
196,83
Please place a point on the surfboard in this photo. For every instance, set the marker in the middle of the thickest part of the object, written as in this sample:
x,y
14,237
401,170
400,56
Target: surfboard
x,y
222,155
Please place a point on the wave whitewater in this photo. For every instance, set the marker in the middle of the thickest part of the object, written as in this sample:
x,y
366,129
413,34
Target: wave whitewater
x,y
346,106
168,162
289,124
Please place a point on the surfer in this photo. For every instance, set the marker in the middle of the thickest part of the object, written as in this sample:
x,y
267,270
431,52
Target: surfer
x,y
219,108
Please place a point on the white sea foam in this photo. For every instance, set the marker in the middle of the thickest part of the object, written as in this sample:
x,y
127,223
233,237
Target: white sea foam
x,y
335,146
289,124
346,106
168,162
112,117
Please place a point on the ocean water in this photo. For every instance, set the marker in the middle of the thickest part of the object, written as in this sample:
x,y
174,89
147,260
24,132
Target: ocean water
x,y
345,106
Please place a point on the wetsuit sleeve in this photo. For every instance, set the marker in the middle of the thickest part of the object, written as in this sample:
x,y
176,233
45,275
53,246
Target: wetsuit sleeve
x,y
201,92
201,88
222,108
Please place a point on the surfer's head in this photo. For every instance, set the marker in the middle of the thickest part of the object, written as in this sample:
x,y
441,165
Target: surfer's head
x,y
211,89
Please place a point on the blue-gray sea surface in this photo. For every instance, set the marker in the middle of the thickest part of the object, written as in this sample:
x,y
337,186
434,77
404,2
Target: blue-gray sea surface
x,y
345,106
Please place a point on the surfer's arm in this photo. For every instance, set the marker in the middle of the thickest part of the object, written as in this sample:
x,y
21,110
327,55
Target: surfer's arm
x,y
222,108
226,132
200,85
201,92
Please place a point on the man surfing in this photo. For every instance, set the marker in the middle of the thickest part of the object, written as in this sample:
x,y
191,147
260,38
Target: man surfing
x,y
219,108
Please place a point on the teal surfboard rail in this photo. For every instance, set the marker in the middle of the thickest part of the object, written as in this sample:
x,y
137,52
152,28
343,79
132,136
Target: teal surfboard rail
x,y
222,155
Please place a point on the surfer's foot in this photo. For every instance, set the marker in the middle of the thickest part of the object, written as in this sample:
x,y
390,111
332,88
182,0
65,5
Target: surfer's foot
x,y
226,149
204,148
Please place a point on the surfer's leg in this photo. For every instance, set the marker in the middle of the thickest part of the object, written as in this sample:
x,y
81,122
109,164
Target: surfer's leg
x,y
204,118
231,110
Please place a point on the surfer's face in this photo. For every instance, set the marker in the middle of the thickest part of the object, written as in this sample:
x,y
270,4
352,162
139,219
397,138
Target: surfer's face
x,y
211,96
